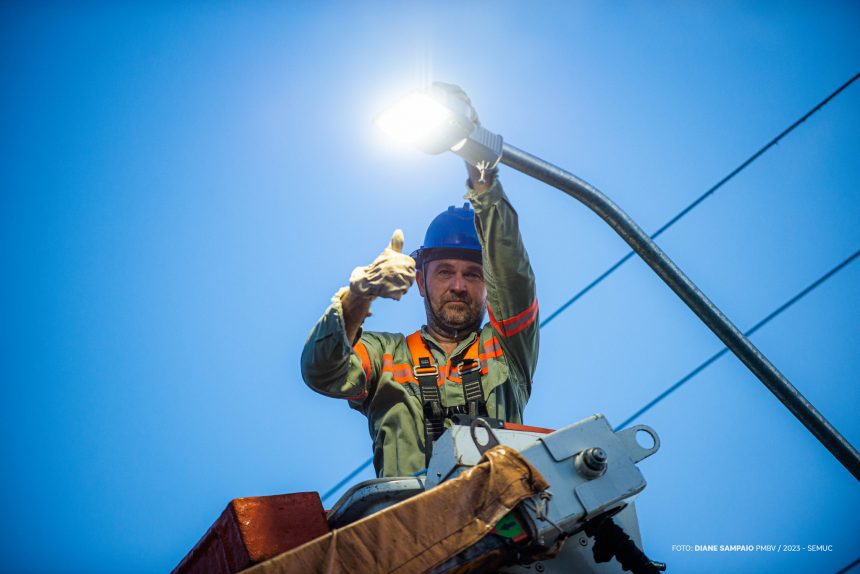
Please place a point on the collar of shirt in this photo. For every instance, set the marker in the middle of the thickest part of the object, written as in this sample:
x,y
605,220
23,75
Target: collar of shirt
x,y
458,350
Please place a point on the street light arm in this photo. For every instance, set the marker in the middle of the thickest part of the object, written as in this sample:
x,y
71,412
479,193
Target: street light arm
x,y
736,341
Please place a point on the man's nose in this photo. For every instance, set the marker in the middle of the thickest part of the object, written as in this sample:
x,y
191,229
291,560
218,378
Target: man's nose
x,y
457,283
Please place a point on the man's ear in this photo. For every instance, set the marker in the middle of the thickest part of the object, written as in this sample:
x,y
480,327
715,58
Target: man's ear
x,y
419,278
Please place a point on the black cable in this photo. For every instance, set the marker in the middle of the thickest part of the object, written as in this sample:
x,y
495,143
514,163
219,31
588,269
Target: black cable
x,y
849,567
700,199
724,350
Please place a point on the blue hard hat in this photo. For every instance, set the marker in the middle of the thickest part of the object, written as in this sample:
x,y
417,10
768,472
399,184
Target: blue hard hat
x,y
451,235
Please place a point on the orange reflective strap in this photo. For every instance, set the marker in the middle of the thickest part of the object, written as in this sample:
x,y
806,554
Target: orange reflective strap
x,y
418,349
361,351
517,323
472,352
401,372
492,350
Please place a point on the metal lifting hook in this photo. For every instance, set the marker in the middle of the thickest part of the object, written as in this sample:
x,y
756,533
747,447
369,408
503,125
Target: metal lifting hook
x,y
491,437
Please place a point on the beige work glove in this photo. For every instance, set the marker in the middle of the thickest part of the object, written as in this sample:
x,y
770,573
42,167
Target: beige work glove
x,y
390,275
456,92
480,177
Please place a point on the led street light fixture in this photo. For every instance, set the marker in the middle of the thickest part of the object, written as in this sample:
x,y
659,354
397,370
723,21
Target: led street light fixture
x,y
436,120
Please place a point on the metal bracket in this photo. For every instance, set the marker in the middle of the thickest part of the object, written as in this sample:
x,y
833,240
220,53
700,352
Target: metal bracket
x,y
636,451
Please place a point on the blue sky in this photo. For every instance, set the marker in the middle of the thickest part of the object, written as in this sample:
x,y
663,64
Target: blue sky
x,y
184,187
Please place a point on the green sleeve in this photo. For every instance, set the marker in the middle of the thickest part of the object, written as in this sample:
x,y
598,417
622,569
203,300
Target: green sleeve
x,y
332,367
511,292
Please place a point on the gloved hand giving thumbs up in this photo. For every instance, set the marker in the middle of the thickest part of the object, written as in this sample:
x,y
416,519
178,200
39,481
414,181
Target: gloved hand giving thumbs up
x,y
390,275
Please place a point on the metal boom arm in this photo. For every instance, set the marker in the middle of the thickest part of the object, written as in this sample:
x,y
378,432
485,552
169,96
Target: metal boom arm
x,y
648,250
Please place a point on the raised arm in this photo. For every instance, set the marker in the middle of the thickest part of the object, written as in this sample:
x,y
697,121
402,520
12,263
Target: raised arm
x,y
511,293
334,361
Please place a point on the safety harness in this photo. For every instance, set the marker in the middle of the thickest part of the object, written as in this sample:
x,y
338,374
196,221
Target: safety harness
x,y
427,374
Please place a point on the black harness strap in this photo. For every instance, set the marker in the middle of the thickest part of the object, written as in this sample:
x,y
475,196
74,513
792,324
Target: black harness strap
x,y
427,375
470,372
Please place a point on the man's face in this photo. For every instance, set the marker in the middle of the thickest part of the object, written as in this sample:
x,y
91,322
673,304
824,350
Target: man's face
x,y
454,290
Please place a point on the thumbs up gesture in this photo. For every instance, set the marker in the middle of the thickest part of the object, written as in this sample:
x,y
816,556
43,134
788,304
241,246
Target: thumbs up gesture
x,y
390,275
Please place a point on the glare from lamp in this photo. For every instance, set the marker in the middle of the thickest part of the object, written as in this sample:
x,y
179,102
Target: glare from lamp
x,y
435,120
459,145
413,119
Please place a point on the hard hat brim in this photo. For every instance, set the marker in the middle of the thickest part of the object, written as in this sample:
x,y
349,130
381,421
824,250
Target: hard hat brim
x,y
426,255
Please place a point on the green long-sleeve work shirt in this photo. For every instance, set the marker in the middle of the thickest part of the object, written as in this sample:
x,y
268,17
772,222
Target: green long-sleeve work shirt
x,y
375,375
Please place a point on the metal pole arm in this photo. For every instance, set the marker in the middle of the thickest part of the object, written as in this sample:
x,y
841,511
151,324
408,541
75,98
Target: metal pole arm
x,y
648,250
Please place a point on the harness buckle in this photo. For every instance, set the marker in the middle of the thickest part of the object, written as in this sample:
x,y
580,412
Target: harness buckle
x,y
424,370
469,366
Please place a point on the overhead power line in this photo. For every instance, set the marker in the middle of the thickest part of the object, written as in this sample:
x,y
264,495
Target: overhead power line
x,y
724,350
699,200
663,228
346,479
849,567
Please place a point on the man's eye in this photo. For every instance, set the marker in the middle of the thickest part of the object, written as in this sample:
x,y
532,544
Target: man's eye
x,y
475,276
444,273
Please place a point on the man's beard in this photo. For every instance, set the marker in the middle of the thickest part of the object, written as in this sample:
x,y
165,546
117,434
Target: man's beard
x,y
455,316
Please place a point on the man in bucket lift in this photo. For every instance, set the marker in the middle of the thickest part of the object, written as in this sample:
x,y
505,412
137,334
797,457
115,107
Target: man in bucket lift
x,y
410,386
